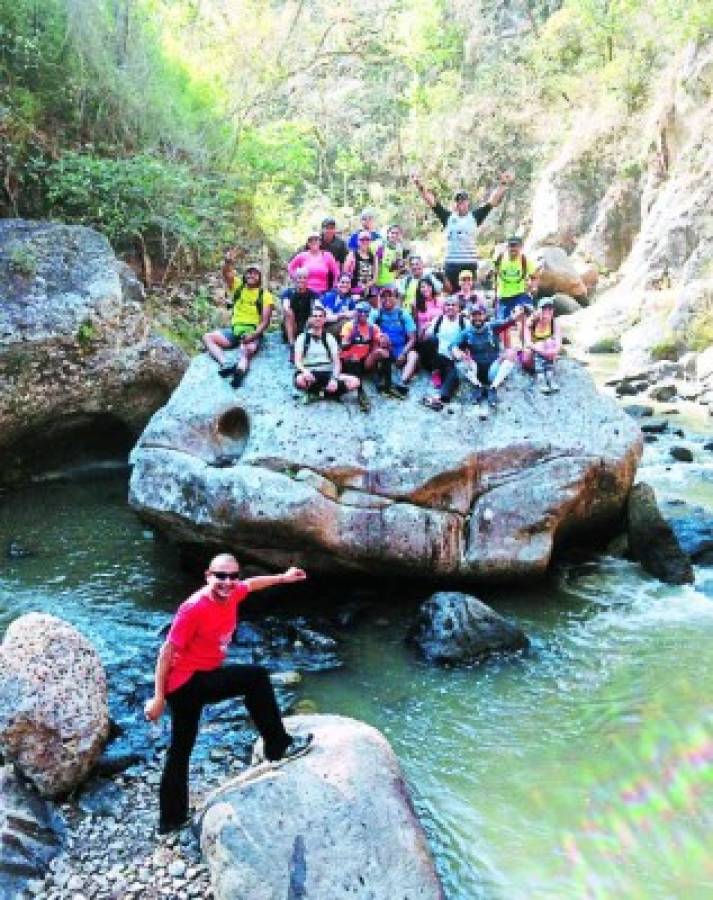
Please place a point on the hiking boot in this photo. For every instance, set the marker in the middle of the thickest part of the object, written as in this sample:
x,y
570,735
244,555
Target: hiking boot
x,y
492,397
298,746
237,378
363,400
543,384
226,371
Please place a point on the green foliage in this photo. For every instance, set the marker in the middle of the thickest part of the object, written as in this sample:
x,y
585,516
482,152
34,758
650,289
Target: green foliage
x,y
86,334
669,347
164,206
22,260
187,328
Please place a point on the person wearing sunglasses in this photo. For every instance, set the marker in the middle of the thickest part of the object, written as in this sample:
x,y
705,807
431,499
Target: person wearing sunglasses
x,y
189,675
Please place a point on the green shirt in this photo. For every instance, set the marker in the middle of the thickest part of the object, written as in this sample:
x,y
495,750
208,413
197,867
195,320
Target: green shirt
x,y
513,275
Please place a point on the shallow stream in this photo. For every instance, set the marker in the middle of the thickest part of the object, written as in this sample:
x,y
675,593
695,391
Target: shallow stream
x,y
584,769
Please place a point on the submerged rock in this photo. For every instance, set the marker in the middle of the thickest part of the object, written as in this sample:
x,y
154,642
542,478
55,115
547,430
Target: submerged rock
x,y
337,822
80,371
31,834
54,718
457,628
400,490
652,541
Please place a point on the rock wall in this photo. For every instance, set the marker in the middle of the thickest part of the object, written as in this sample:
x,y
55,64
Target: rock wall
x,y
76,351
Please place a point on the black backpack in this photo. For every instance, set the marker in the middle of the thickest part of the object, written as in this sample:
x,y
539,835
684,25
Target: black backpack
x,y
439,322
308,340
258,301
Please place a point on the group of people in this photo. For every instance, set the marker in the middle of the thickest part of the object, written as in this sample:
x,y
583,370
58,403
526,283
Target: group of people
x,y
365,307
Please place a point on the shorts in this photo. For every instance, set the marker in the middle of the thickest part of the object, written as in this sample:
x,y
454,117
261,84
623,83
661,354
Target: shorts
x,y
506,306
453,270
235,335
321,380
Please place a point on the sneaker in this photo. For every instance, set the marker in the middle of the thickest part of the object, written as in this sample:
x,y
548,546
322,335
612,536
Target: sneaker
x,y
298,746
483,411
226,371
542,383
396,392
492,397
363,400
401,390
554,387
436,379
237,378
309,398
170,827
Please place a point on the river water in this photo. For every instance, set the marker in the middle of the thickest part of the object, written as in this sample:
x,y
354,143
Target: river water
x,y
584,769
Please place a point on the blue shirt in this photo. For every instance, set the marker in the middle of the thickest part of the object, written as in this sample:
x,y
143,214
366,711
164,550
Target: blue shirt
x,y
397,325
335,303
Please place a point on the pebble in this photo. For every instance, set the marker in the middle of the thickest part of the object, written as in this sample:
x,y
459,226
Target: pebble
x,y
177,869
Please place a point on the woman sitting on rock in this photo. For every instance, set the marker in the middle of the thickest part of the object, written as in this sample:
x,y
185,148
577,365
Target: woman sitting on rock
x,y
542,345
427,307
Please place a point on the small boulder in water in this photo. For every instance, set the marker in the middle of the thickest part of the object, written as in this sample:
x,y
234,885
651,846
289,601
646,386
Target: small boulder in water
x,y
681,454
652,541
457,628
15,550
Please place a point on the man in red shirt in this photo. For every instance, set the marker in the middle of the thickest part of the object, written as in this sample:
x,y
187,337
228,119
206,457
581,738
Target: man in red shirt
x,y
189,675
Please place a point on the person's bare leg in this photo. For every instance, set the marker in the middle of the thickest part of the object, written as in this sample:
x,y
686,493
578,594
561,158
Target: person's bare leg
x,y
410,367
215,342
290,326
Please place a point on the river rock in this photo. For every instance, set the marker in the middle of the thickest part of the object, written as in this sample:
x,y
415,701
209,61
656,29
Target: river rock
x,y
663,393
31,834
80,370
681,454
652,541
438,495
457,628
54,718
557,274
565,305
337,822
693,527
639,410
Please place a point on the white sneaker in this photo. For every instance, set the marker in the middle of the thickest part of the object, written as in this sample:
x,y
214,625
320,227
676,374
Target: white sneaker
x,y
554,387
542,383
483,411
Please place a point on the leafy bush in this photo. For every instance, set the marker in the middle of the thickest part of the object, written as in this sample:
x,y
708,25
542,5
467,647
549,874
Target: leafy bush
x,y
143,201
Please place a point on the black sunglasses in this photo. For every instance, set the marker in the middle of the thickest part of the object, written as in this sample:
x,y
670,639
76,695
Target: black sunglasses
x,y
225,576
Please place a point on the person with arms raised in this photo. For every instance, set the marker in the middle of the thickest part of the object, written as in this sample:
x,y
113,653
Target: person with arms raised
x,y
461,225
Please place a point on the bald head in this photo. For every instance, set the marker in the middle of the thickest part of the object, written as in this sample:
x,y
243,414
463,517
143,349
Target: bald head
x,y
222,559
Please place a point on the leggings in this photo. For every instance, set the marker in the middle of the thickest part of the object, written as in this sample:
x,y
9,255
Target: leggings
x,y
186,704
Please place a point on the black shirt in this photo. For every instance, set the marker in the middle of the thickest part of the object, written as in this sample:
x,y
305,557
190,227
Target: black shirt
x,y
300,304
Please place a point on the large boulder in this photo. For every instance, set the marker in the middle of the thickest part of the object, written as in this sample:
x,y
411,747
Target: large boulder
x,y
652,541
402,489
31,834
456,628
54,717
337,822
79,366
557,274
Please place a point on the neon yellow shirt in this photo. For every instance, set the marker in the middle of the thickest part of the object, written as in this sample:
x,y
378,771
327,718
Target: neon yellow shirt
x,y
248,305
511,280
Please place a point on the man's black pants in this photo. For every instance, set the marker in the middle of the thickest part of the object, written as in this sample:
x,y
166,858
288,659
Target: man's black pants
x,y
186,704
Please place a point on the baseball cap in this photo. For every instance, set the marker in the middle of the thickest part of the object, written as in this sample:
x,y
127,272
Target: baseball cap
x,y
328,221
514,241
461,195
389,289
363,306
253,267
546,301
466,273
364,236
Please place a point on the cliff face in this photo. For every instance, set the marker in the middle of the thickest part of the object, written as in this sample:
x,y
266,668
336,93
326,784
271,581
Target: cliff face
x,y
635,197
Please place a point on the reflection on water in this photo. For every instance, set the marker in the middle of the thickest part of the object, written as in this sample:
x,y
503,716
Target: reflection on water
x,y
584,769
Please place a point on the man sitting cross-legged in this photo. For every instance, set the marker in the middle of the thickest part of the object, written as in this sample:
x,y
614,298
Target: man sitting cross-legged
x,y
478,358
317,361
